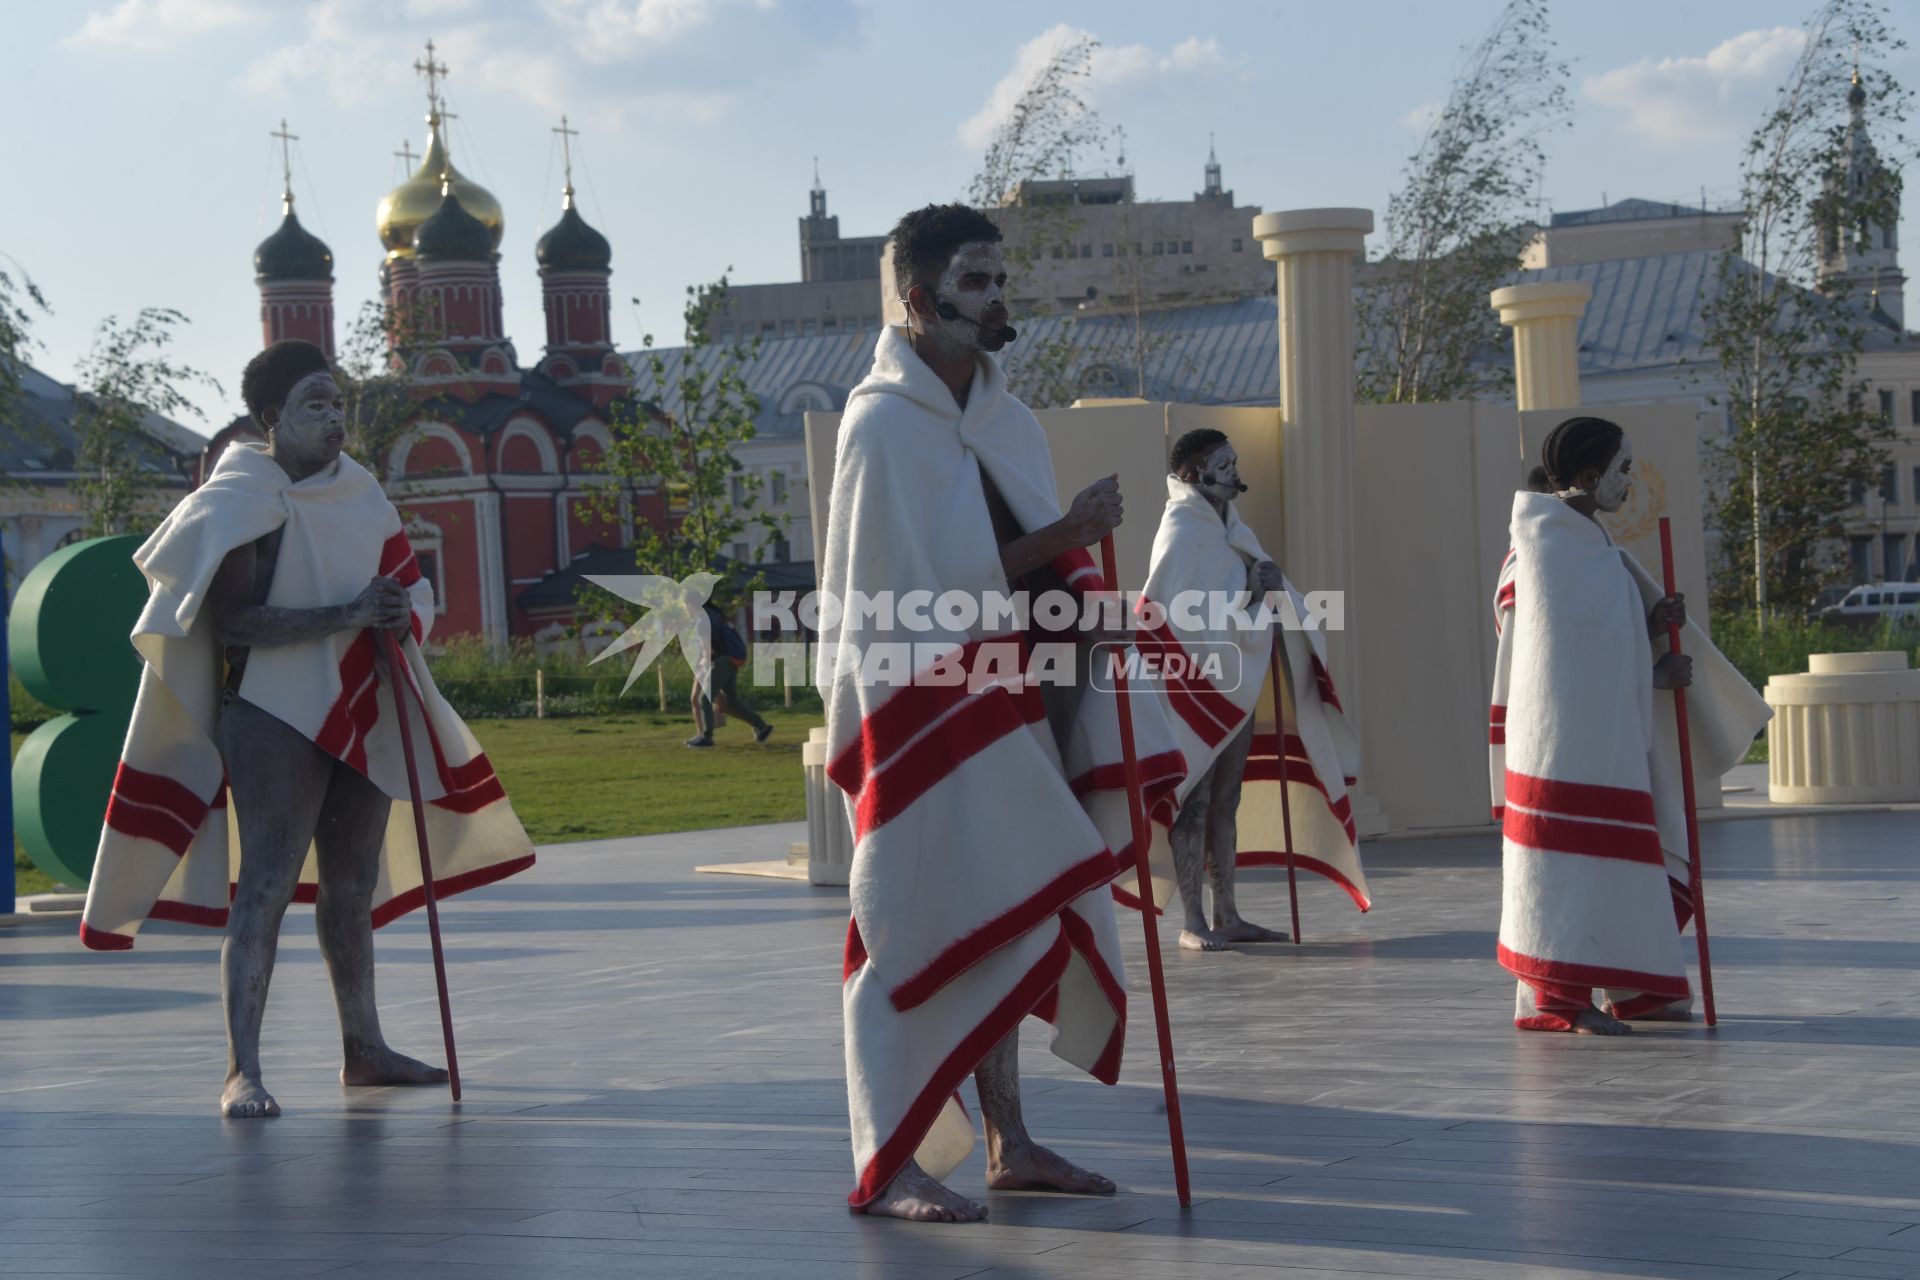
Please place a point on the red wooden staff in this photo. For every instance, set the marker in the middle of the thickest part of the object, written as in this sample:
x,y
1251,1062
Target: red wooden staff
x,y
1286,805
397,676
1686,785
1137,818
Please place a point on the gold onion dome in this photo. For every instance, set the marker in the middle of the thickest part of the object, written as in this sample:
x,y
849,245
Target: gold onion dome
x,y
404,209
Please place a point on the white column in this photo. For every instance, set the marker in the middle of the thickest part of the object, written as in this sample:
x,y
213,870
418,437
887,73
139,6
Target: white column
x,y
1845,732
1313,251
493,570
1545,319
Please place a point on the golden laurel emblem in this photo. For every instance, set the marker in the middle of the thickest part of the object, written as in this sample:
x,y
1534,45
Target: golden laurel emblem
x,y
1645,505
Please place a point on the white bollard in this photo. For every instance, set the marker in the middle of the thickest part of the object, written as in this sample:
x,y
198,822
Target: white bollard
x,y
829,837
1845,732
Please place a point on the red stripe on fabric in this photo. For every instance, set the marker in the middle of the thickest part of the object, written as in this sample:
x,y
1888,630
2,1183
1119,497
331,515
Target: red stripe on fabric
x,y
143,823
1546,833
1497,713
157,791
1080,934
103,939
1007,927
854,954
189,913
1278,858
1157,773
1640,1006
892,1155
1531,969
1323,680
413,899
397,560
1497,736
976,726
1204,726
1503,598
1264,766
1210,699
1580,799
908,710
1073,568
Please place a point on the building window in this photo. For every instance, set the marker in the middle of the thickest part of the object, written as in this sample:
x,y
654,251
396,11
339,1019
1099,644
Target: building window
x,y
1913,414
1086,251
777,488
1106,251
429,562
1159,246
768,328
806,328
786,329
871,322
1886,406
739,491
1860,559
1236,244
1857,493
830,325
1893,553
1916,485
1186,246
782,553
1889,485
1056,251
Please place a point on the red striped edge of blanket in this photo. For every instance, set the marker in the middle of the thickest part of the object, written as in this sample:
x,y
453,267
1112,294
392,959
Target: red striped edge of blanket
x,y
1077,570
1323,681
1669,987
152,806
1014,923
1264,764
1496,725
1550,816
1208,712
894,1153
398,562
386,913
1278,858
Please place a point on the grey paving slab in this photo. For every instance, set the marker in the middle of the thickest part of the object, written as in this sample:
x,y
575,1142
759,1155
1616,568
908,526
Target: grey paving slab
x,y
653,1070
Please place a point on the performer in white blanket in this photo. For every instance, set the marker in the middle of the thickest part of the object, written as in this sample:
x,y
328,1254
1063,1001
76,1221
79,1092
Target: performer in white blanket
x,y
1585,763
1229,805
988,813
268,584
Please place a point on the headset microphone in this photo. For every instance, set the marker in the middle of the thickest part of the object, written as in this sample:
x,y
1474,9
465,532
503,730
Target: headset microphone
x,y
947,311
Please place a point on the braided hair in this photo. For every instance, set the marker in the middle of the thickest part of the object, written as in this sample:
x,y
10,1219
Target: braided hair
x,y
1577,445
1537,481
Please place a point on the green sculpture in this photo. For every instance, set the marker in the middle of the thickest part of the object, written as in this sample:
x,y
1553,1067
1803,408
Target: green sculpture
x,y
69,632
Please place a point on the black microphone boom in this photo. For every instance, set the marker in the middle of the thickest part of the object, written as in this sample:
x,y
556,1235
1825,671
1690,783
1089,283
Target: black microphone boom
x,y
1005,332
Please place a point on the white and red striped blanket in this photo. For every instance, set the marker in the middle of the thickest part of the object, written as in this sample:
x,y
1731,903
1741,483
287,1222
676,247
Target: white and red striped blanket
x,y
1199,559
1585,761
169,849
988,819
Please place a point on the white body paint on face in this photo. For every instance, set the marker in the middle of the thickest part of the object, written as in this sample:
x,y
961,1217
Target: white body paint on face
x,y
1220,476
311,428
1611,493
975,282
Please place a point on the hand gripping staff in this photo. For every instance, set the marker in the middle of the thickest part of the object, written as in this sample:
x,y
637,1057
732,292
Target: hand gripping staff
x,y
1686,787
1286,805
1137,819
399,678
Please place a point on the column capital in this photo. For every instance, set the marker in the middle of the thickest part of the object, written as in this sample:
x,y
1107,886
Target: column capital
x,y
1312,231
1548,300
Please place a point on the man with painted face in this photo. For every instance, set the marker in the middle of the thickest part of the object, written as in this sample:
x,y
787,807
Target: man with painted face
x,y
1584,756
1214,665
269,586
986,810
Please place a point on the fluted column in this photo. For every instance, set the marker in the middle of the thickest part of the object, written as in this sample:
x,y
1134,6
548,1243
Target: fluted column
x,y
1313,251
1545,319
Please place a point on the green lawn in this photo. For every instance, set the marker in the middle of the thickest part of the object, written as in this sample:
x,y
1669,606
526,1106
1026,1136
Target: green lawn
x,y
591,777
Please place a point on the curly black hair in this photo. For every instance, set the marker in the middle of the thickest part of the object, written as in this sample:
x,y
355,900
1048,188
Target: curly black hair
x,y
1577,445
273,373
1192,445
925,241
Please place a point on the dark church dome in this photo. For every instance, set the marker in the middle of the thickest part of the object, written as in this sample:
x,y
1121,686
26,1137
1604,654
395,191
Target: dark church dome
x,y
292,253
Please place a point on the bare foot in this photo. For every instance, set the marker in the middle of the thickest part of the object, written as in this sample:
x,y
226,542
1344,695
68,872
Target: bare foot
x,y
1031,1167
1202,940
1237,930
247,1099
1592,1022
384,1066
916,1197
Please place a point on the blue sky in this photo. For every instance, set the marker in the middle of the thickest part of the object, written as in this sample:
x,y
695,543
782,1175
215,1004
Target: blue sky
x,y
140,170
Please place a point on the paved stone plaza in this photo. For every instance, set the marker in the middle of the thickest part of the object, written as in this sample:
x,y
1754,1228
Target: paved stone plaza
x,y
654,1089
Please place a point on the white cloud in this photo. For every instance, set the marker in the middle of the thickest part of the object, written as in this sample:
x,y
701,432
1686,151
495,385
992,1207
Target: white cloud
x,y
156,24
1421,118
1112,72
1713,98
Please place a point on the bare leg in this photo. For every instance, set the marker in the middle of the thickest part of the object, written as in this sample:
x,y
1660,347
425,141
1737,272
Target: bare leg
x,y
1189,841
1015,1162
347,843
279,781
1223,840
